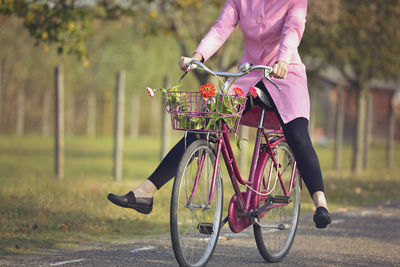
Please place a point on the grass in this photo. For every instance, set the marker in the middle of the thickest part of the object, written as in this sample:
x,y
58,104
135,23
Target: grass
x,y
40,214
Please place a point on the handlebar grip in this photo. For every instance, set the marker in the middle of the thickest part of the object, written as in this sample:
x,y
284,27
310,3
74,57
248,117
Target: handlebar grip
x,y
244,69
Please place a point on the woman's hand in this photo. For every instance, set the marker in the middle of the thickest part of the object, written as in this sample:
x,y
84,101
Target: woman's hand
x,y
280,70
184,61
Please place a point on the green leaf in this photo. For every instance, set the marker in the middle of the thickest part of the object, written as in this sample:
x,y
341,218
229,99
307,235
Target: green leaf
x,y
239,142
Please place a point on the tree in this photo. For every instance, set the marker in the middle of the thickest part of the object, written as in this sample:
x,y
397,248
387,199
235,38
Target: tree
x,y
358,38
63,22
188,21
68,23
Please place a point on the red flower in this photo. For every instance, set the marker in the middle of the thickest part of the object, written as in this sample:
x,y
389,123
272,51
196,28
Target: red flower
x,y
238,91
207,90
253,92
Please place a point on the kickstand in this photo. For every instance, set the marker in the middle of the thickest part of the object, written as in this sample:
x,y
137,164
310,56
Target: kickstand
x,y
224,221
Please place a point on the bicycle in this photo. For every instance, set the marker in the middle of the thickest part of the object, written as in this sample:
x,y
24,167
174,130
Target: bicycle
x,y
271,202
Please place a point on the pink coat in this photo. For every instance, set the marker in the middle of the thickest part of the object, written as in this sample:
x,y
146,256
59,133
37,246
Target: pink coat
x,y
272,31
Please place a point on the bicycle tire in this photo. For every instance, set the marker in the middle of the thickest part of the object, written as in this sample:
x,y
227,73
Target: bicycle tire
x,y
195,227
274,244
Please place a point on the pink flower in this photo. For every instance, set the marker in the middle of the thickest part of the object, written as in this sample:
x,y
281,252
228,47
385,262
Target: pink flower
x,y
238,91
150,91
253,92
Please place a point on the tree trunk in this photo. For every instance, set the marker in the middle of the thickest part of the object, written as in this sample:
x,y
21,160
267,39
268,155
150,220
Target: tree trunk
x,y
20,112
339,129
91,118
134,118
46,113
165,124
368,129
119,126
390,133
358,145
59,122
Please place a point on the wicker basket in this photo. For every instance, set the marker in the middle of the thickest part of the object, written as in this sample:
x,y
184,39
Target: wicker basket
x,y
191,112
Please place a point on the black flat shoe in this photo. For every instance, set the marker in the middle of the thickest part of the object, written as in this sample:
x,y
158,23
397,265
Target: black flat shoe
x,y
322,217
141,204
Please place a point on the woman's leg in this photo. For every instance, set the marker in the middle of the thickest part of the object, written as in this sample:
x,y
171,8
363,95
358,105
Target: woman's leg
x,y
298,138
141,198
166,170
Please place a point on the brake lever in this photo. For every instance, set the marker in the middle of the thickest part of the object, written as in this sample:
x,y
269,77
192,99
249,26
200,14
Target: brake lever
x,y
266,75
189,68
183,76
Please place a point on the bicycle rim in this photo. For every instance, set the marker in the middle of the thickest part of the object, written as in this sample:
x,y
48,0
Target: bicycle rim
x,y
272,242
194,224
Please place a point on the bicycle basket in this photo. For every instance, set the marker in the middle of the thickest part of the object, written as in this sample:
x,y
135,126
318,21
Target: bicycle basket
x,y
190,111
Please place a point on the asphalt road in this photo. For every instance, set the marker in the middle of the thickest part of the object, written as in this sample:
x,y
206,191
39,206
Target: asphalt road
x,y
364,237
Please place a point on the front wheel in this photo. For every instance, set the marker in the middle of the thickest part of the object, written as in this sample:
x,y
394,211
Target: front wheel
x,y
276,230
194,222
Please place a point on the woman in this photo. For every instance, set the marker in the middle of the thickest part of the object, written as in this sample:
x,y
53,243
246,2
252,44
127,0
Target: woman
x,y
272,31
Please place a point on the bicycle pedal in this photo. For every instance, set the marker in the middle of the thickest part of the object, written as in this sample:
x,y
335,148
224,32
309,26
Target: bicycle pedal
x,y
281,199
205,228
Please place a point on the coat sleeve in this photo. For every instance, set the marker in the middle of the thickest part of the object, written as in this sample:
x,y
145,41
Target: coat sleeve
x,y
293,30
220,31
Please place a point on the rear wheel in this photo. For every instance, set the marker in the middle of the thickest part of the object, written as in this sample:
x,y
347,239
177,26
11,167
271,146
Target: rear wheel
x,y
194,223
277,227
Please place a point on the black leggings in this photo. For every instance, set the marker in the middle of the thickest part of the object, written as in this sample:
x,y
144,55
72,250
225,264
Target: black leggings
x,y
297,137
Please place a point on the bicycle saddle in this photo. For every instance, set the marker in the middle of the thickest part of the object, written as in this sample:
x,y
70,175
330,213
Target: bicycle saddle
x,y
264,98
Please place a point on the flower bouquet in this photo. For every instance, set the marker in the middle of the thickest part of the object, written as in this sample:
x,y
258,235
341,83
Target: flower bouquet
x,y
206,110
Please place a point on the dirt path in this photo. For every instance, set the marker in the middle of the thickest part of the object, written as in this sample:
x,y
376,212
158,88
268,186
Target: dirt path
x,y
364,237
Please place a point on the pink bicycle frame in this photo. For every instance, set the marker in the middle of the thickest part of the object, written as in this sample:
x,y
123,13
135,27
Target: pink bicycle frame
x,y
249,200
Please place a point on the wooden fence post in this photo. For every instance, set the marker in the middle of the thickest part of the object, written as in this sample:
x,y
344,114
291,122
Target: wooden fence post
x,y
165,124
119,126
20,112
59,122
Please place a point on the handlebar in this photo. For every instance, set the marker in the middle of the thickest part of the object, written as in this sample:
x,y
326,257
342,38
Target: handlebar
x,y
245,68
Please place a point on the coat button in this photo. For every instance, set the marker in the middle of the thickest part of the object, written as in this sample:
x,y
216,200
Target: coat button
x,y
259,19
